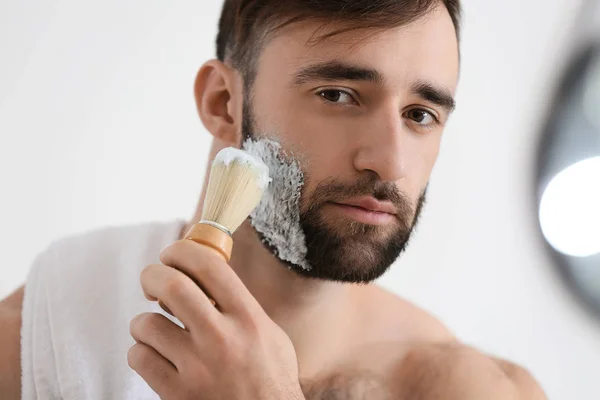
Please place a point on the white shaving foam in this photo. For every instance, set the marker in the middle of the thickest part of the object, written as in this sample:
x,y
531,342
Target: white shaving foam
x,y
277,216
231,154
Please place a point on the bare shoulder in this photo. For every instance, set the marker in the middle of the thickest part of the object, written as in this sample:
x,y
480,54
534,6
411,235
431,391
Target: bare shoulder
x,y
425,360
14,301
455,371
417,357
528,387
10,345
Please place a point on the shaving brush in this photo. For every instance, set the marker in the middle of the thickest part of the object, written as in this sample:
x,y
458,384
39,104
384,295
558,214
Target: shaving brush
x,y
236,184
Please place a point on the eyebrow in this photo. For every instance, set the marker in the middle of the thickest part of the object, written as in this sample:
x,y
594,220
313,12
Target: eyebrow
x,y
339,71
434,94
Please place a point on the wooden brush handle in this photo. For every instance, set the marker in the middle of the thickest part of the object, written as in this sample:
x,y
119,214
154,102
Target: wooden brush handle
x,y
211,237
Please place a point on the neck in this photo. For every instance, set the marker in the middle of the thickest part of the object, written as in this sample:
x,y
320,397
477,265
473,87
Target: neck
x,y
312,312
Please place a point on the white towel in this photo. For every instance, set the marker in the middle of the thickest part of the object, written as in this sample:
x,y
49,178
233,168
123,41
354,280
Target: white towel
x,y
80,296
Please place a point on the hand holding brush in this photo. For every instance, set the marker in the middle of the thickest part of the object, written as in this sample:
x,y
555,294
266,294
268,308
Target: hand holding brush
x,y
231,351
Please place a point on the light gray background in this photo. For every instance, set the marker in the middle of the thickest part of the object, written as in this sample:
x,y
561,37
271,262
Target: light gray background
x,y
98,127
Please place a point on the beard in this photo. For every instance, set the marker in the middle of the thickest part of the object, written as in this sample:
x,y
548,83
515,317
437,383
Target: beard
x,y
341,249
344,250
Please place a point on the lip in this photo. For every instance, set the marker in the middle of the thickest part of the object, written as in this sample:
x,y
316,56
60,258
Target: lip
x,y
367,211
371,204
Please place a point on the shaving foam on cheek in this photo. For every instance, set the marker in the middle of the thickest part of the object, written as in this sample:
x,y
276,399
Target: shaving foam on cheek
x,y
231,154
277,216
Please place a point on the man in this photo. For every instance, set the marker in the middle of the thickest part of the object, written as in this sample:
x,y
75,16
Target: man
x,y
355,94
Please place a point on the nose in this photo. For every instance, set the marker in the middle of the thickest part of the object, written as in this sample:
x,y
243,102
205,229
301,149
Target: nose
x,y
383,147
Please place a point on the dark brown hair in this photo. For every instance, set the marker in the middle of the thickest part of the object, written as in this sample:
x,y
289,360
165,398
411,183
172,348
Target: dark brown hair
x,y
245,25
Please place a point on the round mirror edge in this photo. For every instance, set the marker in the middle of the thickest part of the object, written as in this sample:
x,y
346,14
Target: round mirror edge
x,y
569,77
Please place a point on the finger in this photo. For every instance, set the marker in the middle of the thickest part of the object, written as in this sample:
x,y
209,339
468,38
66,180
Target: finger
x,y
164,307
217,278
148,297
179,293
156,331
160,303
158,372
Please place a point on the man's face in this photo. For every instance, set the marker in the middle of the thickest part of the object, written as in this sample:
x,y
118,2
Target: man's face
x,y
364,117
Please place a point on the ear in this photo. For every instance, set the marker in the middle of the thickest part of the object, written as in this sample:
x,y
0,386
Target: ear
x,y
218,93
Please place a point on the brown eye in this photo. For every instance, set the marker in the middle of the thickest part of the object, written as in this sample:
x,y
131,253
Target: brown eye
x,y
331,95
337,96
421,116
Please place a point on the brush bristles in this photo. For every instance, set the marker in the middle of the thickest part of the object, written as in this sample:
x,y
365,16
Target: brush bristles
x,y
234,190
